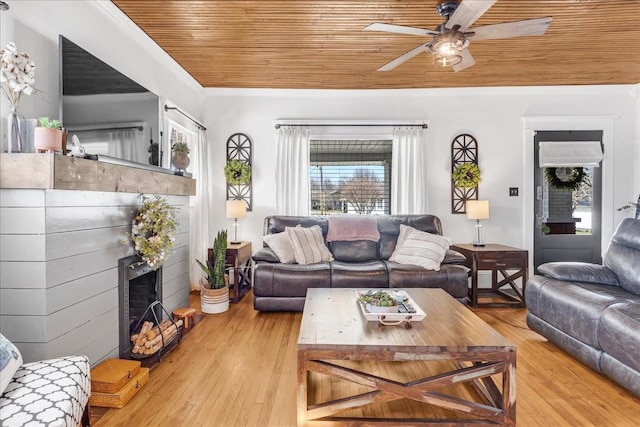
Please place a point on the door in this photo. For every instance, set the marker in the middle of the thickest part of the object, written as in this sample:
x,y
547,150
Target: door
x,y
567,222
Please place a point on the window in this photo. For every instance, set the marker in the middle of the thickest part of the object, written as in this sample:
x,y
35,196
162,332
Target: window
x,y
350,176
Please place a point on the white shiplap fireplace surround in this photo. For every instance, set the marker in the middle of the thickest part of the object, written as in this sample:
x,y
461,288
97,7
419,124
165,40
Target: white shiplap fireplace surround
x,y
63,225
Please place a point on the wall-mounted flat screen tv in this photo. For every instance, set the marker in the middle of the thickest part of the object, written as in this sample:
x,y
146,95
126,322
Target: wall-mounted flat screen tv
x,y
114,117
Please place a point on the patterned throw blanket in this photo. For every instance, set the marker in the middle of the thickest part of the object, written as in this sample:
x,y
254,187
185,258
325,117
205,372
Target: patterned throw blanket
x,y
352,227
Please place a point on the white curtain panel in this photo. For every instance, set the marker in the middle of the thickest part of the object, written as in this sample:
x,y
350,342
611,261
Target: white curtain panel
x,y
408,168
199,233
292,171
123,144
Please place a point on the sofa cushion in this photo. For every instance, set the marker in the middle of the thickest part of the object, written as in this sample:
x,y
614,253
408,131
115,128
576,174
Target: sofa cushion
x,y
618,332
372,274
354,251
420,248
451,278
265,255
10,361
579,272
281,246
574,308
308,245
290,280
623,255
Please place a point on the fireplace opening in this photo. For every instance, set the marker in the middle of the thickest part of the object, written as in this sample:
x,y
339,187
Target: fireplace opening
x,y
138,287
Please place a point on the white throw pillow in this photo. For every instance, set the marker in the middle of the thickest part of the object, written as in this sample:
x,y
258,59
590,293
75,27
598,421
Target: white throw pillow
x,y
420,248
10,361
281,246
308,244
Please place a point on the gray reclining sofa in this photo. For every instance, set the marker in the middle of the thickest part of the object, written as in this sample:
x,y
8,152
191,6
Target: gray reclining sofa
x,y
357,264
593,311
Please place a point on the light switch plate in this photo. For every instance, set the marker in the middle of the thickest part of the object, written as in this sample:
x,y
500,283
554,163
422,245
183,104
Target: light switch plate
x,y
513,191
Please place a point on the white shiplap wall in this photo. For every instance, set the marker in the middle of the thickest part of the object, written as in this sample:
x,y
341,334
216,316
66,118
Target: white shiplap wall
x,y
59,254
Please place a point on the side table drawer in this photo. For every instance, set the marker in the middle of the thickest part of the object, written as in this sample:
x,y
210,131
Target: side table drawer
x,y
501,263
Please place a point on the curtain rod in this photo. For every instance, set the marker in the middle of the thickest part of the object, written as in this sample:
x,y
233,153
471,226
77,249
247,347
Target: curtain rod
x,y
140,128
200,125
422,125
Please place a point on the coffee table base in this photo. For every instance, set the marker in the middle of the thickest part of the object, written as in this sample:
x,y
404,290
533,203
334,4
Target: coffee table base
x,y
495,408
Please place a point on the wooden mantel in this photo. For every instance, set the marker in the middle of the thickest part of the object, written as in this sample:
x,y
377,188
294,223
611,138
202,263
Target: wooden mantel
x,y
55,171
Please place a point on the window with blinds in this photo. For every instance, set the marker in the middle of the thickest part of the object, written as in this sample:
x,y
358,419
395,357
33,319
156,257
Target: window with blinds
x,y
350,177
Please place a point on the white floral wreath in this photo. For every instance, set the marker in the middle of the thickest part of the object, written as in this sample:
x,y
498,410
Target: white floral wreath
x,y
153,228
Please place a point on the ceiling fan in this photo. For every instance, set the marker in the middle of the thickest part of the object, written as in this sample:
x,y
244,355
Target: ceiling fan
x,y
451,38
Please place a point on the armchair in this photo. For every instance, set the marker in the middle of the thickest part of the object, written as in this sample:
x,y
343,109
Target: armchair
x,y
52,392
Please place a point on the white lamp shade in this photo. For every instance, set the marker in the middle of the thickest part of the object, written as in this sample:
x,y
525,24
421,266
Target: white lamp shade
x,y
477,209
236,209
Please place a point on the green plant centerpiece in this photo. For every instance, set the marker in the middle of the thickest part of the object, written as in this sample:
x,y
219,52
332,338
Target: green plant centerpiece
x,y
378,299
237,172
466,175
48,136
153,230
215,272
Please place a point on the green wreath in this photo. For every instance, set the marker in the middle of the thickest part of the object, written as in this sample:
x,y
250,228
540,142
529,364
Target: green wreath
x,y
466,175
153,230
237,172
576,178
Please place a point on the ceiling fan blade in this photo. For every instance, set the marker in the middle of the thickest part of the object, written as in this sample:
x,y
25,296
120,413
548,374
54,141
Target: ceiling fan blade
x,y
407,56
390,28
468,12
529,27
467,61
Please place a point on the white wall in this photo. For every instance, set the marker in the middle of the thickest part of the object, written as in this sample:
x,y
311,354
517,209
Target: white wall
x,y
493,115
100,28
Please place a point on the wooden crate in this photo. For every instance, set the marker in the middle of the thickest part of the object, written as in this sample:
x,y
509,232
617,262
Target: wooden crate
x,y
122,396
112,374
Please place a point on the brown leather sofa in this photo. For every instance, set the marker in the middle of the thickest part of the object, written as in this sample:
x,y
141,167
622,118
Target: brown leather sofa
x,y
357,264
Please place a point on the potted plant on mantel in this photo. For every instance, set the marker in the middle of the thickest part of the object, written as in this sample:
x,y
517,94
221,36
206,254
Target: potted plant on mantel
x,y
180,156
48,136
214,292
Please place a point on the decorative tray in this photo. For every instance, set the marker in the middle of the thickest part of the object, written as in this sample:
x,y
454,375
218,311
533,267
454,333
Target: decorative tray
x,y
406,310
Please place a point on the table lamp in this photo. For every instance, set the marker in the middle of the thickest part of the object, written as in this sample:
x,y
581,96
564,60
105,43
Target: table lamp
x,y
236,209
478,209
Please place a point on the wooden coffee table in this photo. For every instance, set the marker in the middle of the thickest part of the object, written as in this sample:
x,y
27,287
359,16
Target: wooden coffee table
x,y
338,343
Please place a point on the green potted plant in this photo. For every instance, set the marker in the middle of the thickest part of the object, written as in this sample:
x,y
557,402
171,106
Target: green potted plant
x,y
237,172
214,292
180,155
48,136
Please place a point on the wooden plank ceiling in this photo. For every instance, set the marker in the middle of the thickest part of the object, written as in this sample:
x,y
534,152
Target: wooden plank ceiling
x,y
322,45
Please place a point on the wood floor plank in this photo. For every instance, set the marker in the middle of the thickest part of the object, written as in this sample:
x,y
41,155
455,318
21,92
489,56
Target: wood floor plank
x,y
239,369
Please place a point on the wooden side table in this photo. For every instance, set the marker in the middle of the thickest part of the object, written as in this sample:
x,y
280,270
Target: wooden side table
x,y
238,259
497,259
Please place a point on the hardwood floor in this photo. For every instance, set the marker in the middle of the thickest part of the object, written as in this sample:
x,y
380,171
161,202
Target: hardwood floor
x,y
239,369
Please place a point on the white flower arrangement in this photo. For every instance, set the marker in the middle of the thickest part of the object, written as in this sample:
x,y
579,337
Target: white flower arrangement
x,y
152,232
17,74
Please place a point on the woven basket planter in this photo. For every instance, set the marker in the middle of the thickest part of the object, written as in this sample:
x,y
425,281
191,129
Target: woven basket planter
x,y
213,301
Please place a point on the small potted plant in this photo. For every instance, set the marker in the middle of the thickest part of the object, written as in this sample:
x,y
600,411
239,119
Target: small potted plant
x,y
180,156
214,293
48,136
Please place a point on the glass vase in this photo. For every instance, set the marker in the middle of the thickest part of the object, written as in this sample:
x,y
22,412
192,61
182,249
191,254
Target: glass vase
x,y
14,135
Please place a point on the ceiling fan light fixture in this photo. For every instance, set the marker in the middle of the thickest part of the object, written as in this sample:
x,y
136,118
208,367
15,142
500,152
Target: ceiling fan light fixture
x,y
447,48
